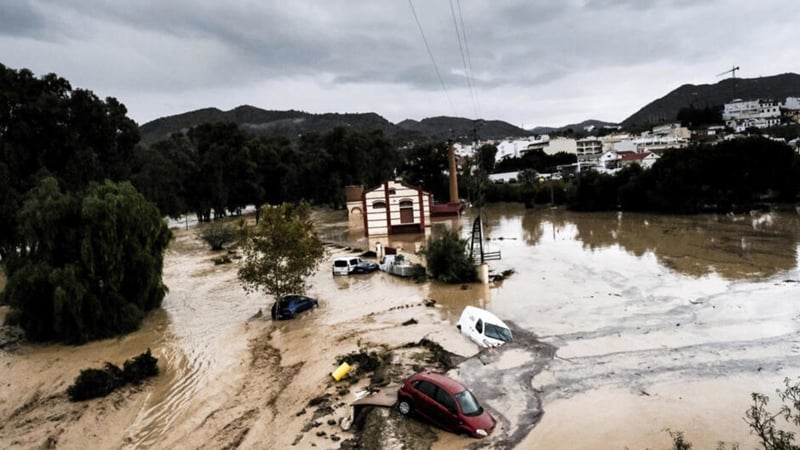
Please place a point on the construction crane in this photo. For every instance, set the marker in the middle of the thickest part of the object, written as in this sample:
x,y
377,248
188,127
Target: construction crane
x,y
732,72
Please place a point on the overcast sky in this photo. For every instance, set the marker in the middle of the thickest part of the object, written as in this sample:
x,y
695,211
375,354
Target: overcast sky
x,y
537,62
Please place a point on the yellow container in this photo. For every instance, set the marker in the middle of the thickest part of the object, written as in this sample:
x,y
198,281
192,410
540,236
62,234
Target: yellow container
x,y
339,373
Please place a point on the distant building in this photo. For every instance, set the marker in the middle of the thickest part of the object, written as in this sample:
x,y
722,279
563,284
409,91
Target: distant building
x,y
561,145
504,177
645,160
656,143
589,149
743,114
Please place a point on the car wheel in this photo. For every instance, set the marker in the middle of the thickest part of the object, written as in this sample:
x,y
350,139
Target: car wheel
x,y
404,407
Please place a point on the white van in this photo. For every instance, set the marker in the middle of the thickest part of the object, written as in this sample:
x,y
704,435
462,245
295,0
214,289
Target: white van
x,y
353,265
483,327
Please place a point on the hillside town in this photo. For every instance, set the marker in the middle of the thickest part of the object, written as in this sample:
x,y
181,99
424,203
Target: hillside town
x,y
610,149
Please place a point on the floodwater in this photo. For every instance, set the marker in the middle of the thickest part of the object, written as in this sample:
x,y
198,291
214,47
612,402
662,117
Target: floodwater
x,y
659,322
626,326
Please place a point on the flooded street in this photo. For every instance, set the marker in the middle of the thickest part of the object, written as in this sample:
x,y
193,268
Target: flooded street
x,y
626,325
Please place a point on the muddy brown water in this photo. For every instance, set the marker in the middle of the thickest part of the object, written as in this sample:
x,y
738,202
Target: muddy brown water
x,y
660,322
651,322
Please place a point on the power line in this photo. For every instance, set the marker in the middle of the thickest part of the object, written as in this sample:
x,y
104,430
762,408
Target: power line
x,y
463,58
469,61
433,60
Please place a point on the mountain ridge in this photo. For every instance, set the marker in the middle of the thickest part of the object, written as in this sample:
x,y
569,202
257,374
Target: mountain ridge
x,y
294,123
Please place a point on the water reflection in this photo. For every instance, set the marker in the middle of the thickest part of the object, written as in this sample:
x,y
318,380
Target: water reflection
x,y
734,247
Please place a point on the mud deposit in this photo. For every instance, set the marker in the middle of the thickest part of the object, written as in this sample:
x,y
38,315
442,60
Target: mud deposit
x,y
625,326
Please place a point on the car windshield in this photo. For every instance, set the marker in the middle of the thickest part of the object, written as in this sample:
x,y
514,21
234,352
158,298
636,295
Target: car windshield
x,y
468,403
497,332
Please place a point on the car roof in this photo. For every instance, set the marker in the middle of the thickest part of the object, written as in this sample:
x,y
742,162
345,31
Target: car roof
x,y
483,314
443,381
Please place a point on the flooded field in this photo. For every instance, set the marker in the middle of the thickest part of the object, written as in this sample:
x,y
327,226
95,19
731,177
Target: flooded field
x,y
626,325
659,322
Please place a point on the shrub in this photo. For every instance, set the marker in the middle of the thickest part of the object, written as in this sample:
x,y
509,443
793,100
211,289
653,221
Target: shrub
x,y
448,260
93,383
140,367
217,235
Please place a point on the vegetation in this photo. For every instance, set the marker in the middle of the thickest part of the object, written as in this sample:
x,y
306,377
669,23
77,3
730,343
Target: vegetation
x,y
93,383
732,175
282,251
47,129
90,266
215,168
426,165
217,235
82,249
763,422
447,259
535,159
698,117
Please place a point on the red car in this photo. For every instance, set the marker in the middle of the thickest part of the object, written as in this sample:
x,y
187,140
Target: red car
x,y
445,402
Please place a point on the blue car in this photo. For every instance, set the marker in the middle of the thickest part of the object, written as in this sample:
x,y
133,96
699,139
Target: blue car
x,y
289,306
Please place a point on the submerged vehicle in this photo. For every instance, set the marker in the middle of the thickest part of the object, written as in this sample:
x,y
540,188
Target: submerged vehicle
x,y
445,402
348,266
397,265
483,327
289,306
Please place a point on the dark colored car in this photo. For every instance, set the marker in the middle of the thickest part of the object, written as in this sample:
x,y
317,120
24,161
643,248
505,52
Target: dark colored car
x,y
364,267
446,403
289,306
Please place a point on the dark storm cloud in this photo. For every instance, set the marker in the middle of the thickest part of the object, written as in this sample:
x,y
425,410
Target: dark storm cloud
x,y
23,18
355,54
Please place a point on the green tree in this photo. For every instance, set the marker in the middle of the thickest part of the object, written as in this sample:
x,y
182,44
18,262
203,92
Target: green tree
x,y
90,263
49,129
426,166
282,251
485,155
447,259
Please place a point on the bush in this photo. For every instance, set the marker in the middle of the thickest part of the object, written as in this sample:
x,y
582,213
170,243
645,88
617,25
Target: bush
x,y
217,235
141,367
448,260
93,383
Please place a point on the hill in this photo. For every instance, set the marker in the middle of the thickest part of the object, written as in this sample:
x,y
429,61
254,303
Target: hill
x,y
576,127
461,129
294,123
665,109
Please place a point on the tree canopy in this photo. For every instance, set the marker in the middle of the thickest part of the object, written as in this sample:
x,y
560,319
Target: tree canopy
x,y
732,175
82,249
281,251
49,129
89,264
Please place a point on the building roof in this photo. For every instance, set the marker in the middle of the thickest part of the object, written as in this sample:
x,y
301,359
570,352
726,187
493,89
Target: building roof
x,y
628,156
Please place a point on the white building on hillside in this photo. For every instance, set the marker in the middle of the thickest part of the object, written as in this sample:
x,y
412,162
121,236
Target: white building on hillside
x,y
589,148
561,144
743,114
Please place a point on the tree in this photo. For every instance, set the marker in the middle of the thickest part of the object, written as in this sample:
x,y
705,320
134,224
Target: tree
x,y
89,263
217,234
282,251
485,155
47,129
426,166
447,259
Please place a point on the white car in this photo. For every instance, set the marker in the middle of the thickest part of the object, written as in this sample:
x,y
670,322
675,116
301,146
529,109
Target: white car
x,y
483,327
